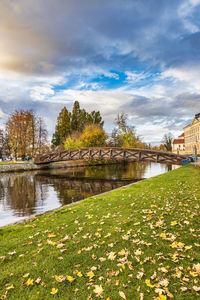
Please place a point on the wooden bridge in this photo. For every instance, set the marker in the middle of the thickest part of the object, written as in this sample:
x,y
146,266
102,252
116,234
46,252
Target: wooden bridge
x,y
111,153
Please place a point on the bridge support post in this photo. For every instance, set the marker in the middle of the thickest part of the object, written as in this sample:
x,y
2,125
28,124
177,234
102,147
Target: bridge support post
x,y
111,153
80,156
124,154
139,156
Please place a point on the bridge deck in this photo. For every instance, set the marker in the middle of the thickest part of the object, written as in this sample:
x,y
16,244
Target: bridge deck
x,y
105,153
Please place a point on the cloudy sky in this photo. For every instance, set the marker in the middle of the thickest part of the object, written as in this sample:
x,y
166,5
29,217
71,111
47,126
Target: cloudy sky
x,y
141,57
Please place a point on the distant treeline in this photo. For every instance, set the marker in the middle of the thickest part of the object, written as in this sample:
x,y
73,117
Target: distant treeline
x,y
25,133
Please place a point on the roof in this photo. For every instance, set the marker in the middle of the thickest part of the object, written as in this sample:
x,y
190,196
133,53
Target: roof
x,y
179,141
181,135
194,121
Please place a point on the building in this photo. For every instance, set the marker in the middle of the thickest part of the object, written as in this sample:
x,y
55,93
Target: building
x,y
192,136
178,145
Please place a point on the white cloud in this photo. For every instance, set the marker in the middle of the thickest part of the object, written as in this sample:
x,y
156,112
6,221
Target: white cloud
x,y
133,77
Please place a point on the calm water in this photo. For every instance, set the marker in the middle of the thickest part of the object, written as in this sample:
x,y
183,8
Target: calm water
x,y
28,193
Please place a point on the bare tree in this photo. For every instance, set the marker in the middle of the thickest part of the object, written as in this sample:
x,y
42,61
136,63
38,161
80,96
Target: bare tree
x,y
167,141
41,134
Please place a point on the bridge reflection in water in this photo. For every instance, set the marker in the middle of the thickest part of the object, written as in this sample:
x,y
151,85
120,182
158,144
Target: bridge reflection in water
x,y
24,194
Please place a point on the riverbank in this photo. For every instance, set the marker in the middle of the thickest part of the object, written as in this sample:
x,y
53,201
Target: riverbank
x,y
136,242
22,167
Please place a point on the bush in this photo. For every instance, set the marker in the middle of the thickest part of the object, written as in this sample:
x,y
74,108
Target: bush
x,y
73,142
93,136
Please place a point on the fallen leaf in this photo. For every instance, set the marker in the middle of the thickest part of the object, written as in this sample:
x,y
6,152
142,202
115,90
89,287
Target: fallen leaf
x,y
54,291
122,294
98,290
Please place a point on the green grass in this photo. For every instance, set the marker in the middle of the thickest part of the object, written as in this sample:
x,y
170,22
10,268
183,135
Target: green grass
x,y
135,220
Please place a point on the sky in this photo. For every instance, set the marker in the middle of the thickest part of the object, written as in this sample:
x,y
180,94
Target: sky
x,y
140,57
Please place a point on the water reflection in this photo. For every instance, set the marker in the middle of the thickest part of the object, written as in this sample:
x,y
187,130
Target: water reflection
x,y
25,194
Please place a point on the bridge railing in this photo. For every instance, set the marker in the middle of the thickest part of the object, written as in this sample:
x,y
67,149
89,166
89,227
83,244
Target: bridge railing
x,y
112,153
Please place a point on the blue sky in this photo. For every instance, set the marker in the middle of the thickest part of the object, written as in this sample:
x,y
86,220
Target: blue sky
x,y
140,57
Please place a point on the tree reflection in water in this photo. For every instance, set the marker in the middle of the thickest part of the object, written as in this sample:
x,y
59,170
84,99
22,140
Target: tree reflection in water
x,y
23,194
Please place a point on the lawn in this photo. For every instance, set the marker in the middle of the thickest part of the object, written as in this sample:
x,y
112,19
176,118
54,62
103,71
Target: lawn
x,y
13,162
138,242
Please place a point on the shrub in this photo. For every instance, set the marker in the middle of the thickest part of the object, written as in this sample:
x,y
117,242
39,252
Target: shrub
x,y
93,136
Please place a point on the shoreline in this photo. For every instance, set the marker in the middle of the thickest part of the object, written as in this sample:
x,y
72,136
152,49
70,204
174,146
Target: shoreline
x,y
23,167
48,212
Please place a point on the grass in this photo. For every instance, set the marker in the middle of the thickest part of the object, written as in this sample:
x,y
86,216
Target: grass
x,y
138,242
13,162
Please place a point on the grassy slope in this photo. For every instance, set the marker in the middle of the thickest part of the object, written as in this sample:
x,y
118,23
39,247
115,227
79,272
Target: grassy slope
x,y
136,219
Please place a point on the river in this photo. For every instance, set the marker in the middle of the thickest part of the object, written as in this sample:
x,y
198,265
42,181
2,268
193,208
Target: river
x,y
28,193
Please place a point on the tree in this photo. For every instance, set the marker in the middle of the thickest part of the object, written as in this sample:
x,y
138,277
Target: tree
x,y
63,127
76,114
1,142
19,131
124,135
93,136
42,134
67,122
167,141
95,118
23,134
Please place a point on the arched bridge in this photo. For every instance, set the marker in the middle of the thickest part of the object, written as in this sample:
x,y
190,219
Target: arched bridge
x,y
121,154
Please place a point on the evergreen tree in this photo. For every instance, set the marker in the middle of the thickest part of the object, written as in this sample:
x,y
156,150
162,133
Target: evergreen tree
x,y
76,121
63,127
95,118
76,114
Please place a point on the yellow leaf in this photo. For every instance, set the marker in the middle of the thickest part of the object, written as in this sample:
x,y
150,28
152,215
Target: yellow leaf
x,y
188,247
49,242
50,235
10,287
163,235
79,274
90,274
26,275
70,279
29,282
60,245
54,291
178,274
122,294
180,245
193,274
161,297
174,223
148,283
